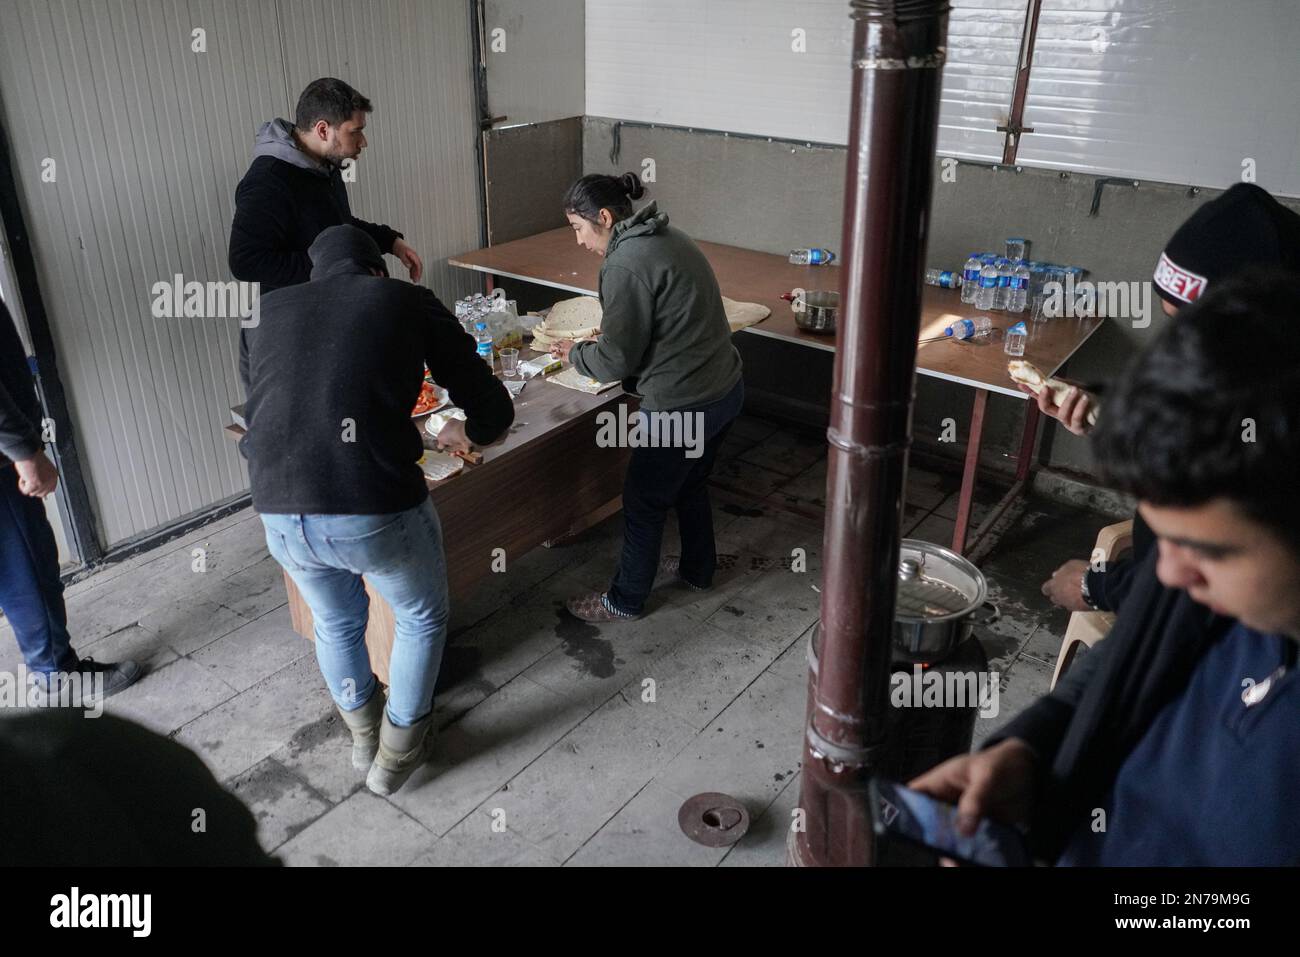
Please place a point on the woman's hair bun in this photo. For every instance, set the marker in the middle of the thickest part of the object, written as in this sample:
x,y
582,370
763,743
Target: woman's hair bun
x,y
632,185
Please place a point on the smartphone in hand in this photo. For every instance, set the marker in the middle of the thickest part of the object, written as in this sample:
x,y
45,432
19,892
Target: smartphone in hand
x,y
898,812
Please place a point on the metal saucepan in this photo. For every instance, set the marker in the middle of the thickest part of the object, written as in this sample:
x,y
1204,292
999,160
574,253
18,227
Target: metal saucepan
x,y
926,631
815,311
939,593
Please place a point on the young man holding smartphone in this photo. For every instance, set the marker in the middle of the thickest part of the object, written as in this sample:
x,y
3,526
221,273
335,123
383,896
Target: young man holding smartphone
x,y
1154,743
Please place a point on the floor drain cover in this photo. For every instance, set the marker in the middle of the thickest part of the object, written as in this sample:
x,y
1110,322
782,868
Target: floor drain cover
x,y
713,819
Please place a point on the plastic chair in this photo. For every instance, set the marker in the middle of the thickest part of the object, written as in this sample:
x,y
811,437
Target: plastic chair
x,y
1086,628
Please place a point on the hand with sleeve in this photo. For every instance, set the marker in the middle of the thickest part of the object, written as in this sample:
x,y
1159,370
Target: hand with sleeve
x,y
1073,410
451,356
409,257
37,476
997,783
628,309
1065,588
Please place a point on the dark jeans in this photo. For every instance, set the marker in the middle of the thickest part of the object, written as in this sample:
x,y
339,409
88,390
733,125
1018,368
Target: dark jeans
x,y
659,479
31,594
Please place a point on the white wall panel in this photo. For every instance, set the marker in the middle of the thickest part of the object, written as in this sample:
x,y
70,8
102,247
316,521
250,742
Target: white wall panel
x,y
1174,90
730,65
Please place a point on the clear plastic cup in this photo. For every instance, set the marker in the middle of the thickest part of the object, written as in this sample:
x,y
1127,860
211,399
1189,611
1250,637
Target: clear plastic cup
x,y
1014,340
1015,248
509,362
1036,313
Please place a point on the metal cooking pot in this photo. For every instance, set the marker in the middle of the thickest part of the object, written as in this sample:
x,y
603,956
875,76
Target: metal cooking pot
x,y
816,311
939,593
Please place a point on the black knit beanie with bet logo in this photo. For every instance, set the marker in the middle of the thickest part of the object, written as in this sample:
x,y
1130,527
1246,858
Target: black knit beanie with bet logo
x,y
1244,227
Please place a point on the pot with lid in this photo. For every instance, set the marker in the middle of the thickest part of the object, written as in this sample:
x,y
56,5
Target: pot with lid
x,y
939,593
814,311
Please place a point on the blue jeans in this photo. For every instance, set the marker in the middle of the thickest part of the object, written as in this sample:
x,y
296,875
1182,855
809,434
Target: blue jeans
x,y
400,555
31,593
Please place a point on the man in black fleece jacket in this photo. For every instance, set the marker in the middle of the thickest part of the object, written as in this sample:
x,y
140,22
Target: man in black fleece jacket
x,y
335,367
294,189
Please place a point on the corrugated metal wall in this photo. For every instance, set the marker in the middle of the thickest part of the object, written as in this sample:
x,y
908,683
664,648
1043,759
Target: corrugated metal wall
x,y
150,139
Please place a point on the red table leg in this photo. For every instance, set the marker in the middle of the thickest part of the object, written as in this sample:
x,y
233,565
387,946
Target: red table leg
x,y
977,543
1028,438
969,470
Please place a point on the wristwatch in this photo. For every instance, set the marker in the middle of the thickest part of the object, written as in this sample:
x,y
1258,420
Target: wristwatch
x,y
1083,590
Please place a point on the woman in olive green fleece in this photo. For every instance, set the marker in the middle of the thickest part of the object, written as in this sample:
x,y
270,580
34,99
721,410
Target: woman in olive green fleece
x,y
664,333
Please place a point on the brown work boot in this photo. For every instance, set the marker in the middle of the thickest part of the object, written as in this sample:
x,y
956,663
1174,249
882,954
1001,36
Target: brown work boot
x,y
363,722
401,751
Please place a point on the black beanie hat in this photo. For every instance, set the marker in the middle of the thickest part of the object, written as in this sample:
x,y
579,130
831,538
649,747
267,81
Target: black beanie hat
x,y
1244,227
344,249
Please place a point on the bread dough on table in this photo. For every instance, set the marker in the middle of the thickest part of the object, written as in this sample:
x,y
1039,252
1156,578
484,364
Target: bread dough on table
x,y
438,465
572,319
580,319
742,314
571,378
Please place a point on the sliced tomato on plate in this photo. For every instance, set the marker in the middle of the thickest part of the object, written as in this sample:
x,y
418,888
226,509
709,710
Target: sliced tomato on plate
x,y
430,398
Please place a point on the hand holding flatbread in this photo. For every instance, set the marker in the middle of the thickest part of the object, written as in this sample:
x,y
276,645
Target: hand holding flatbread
x,y
1060,393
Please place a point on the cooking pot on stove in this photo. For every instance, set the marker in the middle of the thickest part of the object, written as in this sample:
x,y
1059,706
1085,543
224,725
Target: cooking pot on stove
x,y
939,594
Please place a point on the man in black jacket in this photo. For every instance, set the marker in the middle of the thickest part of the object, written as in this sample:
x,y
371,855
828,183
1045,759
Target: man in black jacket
x,y
335,368
1150,749
294,188
31,593
1243,227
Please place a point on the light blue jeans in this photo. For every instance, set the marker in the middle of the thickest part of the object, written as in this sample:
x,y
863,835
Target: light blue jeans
x,y
401,556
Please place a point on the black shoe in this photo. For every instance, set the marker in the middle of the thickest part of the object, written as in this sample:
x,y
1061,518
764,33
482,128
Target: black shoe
x,y
117,676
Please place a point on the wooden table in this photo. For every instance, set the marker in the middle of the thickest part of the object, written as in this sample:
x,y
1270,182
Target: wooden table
x,y
544,480
554,259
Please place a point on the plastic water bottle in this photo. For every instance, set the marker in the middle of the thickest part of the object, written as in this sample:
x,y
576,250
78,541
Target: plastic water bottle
x,y
942,277
988,289
969,328
811,257
1037,272
483,339
1015,340
1003,291
970,278
1019,295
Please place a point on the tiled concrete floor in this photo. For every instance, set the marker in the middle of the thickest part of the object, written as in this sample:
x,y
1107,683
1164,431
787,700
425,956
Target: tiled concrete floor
x,y
559,742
